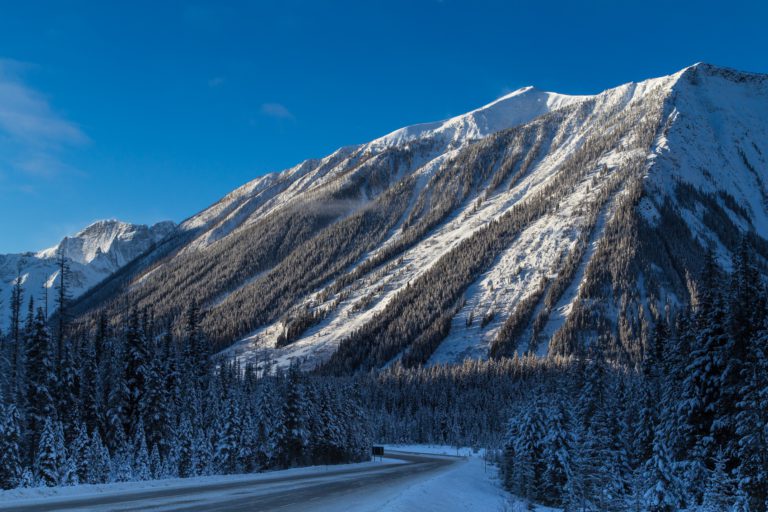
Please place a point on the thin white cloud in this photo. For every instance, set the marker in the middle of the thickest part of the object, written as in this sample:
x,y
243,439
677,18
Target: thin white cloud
x,y
32,134
277,111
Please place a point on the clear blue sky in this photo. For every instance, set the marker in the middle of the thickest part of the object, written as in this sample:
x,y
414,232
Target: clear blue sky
x,y
145,111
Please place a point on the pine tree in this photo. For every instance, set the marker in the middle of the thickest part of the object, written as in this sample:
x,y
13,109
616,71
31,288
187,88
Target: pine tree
x,y
702,399
183,448
664,492
156,404
594,463
11,464
68,402
122,465
92,389
202,452
294,442
530,433
142,469
579,492
62,302
117,401
78,454
246,445
99,461
719,491
619,465
270,427
331,424
17,340
228,432
746,315
155,464
556,453
50,461
42,378
136,370
197,366
752,425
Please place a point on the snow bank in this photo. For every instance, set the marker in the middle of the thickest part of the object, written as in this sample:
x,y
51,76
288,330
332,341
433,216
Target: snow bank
x,y
31,496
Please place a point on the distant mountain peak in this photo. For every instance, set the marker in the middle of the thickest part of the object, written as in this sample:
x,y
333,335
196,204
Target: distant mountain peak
x,y
94,253
100,236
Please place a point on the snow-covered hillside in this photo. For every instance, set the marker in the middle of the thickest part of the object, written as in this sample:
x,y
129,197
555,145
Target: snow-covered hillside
x,y
531,224
262,195
92,254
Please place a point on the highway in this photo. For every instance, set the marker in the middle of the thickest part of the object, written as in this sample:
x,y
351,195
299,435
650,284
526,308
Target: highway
x,y
263,492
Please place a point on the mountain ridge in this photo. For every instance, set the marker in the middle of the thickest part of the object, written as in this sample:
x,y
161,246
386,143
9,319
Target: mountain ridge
x,y
323,258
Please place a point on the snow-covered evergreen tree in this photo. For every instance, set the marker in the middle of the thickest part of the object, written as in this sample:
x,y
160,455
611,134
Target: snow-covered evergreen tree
x,y
294,441
752,425
557,446
141,461
51,458
136,372
77,452
664,490
719,489
99,462
702,406
41,376
11,463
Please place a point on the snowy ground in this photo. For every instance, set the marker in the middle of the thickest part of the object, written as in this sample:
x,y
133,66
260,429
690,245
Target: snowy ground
x,y
470,485
440,481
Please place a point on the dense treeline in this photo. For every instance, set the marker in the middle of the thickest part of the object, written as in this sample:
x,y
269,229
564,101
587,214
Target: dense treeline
x,y
140,403
687,430
463,405
684,429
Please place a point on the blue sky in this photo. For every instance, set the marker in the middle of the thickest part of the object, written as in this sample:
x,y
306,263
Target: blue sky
x,y
146,111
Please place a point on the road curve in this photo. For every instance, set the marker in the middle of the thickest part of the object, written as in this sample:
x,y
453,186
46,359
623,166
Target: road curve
x,y
288,493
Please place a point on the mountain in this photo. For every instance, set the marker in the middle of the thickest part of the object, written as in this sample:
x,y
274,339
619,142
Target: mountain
x,y
538,223
93,254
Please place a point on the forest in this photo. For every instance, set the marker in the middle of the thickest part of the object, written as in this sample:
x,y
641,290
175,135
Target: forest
x,y
686,428
141,404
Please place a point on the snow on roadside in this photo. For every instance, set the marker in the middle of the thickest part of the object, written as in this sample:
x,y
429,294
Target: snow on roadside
x,y
472,485
468,485
30,496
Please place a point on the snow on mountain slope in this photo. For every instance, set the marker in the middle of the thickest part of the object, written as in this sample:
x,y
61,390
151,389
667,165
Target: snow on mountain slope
x,y
716,141
533,224
515,108
93,254
534,256
264,194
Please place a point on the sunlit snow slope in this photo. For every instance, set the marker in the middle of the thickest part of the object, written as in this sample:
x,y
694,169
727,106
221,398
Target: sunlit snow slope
x,y
538,223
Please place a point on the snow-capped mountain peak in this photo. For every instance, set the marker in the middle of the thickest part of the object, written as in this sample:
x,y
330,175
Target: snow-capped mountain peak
x,y
512,109
93,254
108,237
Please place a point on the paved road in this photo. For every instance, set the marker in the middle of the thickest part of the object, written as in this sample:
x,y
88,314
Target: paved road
x,y
288,493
